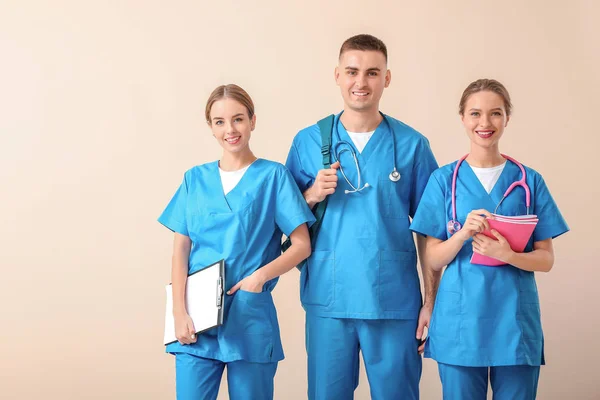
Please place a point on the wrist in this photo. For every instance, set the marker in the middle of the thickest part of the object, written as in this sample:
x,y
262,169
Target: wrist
x,y
309,197
179,312
260,276
510,257
428,303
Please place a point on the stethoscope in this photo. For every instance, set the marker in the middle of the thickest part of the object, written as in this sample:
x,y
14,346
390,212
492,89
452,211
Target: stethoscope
x,y
394,175
455,226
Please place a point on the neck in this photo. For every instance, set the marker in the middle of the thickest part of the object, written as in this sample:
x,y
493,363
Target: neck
x,y
236,161
361,121
481,157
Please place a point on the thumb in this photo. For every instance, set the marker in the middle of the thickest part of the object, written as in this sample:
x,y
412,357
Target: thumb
x,y
235,288
191,329
335,165
420,329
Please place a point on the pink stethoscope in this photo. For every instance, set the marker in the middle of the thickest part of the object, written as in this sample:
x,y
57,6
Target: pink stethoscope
x,y
455,226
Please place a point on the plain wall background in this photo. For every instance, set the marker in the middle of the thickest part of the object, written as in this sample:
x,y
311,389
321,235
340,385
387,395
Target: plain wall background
x,y
101,112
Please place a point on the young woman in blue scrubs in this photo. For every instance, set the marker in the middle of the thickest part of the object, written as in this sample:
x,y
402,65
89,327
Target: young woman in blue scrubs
x,y
234,209
486,320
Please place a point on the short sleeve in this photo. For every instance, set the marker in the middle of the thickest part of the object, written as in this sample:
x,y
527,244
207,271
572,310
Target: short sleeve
x,y
551,222
173,217
291,209
294,165
430,217
425,164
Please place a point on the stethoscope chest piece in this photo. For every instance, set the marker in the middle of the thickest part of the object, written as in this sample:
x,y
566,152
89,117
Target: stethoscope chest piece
x,y
454,226
394,175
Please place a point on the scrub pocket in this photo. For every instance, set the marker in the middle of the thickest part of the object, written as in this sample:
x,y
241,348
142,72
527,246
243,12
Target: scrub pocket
x,y
399,288
391,201
253,312
317,279
446,320
529,307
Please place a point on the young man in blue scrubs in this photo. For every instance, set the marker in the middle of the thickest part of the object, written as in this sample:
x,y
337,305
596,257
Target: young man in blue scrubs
x,y
360,288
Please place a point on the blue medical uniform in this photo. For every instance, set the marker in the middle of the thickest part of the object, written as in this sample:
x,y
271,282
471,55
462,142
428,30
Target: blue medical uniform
x,y
245,228
360,287
486,316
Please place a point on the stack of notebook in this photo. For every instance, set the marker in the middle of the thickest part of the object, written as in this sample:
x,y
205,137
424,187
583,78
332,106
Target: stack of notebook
x,y
517,230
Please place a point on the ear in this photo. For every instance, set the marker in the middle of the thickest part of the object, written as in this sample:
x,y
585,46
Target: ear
x,y
507,119
253,122
336,75
388,78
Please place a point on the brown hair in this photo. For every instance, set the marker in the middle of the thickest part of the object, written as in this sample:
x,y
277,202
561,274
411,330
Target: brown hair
x,y
364,42
490,85
230,91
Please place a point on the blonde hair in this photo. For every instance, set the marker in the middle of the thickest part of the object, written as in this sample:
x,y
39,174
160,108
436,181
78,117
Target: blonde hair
x,y
230,91
480,85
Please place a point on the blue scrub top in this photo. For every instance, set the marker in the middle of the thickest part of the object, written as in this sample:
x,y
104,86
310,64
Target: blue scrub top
x,y
485,316
363,264
245,228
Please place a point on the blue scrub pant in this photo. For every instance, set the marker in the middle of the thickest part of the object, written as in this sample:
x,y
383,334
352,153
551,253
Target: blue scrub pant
x,y
199,378
518,382
389,350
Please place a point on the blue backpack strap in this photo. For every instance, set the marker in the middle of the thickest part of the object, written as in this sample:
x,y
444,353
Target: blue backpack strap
x,y
326,128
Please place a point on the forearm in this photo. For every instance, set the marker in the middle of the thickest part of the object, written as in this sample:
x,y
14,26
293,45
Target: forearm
x,y
441,253
431,278
539,260
179,273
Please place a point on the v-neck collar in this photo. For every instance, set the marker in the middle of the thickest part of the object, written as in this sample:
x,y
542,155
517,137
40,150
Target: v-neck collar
x,y
504,181
372,144
225,199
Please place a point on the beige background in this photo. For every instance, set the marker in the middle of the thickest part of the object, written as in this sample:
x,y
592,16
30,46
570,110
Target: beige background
x,y
101,112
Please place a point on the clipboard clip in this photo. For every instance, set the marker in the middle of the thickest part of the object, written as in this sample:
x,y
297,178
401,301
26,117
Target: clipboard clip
x,y
219,291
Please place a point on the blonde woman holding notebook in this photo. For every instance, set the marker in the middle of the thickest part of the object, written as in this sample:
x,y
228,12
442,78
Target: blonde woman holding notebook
x,y
486,320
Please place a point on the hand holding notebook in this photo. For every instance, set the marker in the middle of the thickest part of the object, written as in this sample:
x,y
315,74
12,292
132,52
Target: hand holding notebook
x,y
517,231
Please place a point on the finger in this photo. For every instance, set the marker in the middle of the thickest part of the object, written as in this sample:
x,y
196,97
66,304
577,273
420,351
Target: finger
x,y
421,348
420,329
478,218
234,288
482,211
329,178
328,191
335,165
328,185
498,235
183,340
477,238
328,172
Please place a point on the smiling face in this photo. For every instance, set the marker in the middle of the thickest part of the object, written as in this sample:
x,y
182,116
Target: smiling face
x,y
484,118
362,76
231,125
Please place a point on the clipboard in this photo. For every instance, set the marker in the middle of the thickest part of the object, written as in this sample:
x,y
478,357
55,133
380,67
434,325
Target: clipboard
x,y
204,300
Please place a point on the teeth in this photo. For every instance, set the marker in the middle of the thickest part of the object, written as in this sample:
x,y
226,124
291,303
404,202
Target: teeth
x,y
359,94
232,140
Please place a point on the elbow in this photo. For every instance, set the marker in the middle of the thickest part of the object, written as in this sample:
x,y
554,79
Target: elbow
x,y
306,250
547,267
437,268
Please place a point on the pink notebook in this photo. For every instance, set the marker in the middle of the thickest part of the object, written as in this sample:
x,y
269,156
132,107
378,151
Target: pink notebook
x,y
517,230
